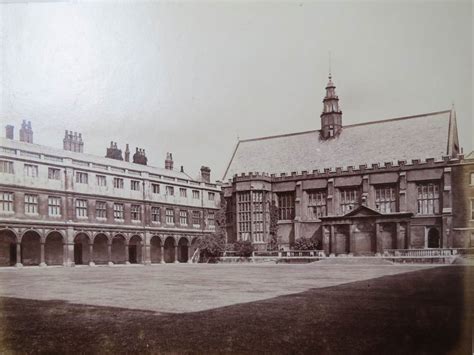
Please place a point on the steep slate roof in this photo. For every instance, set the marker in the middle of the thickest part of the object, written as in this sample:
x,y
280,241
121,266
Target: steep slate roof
x,y
414,137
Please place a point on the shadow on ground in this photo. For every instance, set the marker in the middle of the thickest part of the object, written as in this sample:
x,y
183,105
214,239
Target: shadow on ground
x,y
424,312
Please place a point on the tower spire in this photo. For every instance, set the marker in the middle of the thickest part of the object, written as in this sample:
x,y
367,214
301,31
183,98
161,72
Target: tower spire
x,y
331,117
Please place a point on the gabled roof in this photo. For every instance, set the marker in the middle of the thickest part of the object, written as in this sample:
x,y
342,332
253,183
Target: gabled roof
x,y
405,138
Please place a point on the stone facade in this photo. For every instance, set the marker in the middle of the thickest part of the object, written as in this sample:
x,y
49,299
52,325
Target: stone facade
x,y
60,207
360,189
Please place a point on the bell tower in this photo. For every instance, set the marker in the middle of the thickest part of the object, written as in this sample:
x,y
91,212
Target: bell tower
x,y
331,117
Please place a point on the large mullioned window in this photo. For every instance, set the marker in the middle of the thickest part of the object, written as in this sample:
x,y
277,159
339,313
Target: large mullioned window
x,y
81,208
350,199
286,205
427,198
316,204
251,212
243,215
54,206
31,204
385,199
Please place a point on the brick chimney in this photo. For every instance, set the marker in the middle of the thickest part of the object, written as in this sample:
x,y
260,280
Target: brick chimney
x,y
169,161
73,141
9,132
26,133
205,174
127,152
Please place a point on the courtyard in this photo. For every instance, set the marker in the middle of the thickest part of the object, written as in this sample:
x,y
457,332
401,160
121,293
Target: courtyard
x,y
236,308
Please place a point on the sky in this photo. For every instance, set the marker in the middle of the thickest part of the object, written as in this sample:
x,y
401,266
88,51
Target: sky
x,y
192,77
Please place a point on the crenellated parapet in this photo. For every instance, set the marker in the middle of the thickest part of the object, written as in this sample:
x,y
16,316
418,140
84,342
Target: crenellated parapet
x,y
400,165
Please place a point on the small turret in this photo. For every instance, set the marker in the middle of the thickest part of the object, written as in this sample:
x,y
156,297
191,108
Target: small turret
x,y
331,117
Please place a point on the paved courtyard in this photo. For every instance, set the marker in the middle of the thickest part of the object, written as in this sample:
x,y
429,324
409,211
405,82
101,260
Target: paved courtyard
x,y
178,288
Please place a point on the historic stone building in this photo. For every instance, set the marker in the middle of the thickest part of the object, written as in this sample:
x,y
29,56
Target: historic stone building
x,y
64,207
364,188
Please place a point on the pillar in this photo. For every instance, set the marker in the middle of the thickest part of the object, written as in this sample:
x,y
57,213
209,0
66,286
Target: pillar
x,y
127,255
176,253
109,252
91,254
378,239
332,241
352,246
162,254
190,254
42,263
18,255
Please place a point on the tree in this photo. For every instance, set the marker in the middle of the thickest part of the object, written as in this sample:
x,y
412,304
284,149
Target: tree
x,y
211,247
243,248
274,242
307,244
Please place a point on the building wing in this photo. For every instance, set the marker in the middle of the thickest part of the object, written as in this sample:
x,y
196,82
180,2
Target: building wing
x,y
415,137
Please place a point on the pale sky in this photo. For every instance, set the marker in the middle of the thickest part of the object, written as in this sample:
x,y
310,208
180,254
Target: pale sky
x,y
191,77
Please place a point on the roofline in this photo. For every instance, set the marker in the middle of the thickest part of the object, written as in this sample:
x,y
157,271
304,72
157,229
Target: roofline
x,y
348,126
231,159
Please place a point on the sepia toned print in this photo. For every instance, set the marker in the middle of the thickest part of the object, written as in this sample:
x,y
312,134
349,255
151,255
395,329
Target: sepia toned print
x,y
236,177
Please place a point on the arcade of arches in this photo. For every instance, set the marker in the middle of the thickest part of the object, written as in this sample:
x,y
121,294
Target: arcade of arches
x,y
37,247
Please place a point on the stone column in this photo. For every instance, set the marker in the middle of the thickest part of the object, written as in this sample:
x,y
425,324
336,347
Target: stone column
x,y
190,254
352,246
127,256
91,254
42,263
162,254
176,253
109,252
332,241
18,255
378,240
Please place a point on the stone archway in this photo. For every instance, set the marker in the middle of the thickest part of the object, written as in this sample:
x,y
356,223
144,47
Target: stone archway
x,y
135,250
118,249
82,249
31,248
155,250
54,249
433,238
183,250
8,246
100,249
169,255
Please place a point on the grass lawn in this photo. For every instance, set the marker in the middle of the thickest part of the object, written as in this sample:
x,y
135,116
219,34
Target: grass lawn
x,y
199,309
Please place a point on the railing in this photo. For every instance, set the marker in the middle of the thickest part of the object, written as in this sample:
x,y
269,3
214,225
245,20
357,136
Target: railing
x,y
280,254
428,252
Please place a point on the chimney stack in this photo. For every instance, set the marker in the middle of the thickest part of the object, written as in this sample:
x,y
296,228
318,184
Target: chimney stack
x,y
139,157
9,132
72,141
205,174
169,161
182,169
127,153
26,133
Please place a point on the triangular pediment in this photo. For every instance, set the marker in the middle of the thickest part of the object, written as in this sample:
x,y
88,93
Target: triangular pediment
x,y
362,211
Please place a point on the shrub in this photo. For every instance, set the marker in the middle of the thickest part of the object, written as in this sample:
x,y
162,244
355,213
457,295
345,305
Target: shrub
x,y
307,244
243,248
211,246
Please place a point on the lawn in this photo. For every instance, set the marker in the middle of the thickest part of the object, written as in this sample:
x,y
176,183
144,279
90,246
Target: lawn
x,y
237,309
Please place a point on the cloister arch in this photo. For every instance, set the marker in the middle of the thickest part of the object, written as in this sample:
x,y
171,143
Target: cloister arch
x,y
31,248
8,245
155,249
118,249
194,245
169,255
54,249
135,250
183,249
100,249
82,249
